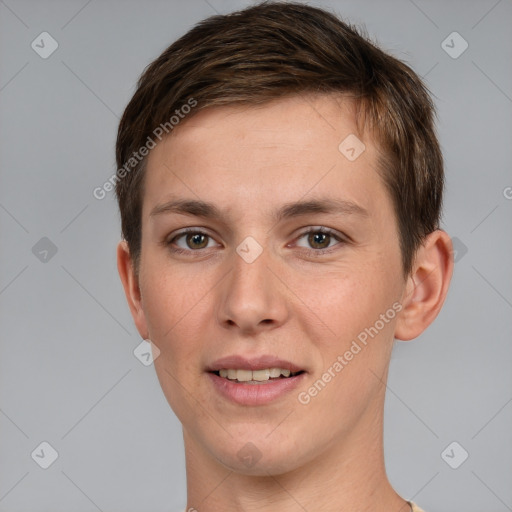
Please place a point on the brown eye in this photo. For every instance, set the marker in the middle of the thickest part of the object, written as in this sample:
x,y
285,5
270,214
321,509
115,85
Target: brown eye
x,y
190,241
319,240
196,240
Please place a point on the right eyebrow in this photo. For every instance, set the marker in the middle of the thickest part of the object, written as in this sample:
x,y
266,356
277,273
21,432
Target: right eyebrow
x,y
188,207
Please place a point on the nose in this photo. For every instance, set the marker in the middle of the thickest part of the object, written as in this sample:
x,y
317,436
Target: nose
x,y
251,297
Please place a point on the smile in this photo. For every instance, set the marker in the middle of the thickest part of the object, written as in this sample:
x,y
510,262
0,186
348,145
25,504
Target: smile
x,y
255,376
256,380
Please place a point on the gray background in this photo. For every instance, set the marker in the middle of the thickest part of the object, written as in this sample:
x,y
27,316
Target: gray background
x,y
68,373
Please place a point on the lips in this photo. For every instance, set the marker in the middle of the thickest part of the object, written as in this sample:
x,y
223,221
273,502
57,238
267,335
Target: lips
x,y
254,381
263,362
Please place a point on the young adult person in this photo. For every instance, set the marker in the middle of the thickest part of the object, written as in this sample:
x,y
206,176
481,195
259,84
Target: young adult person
x,y
280,188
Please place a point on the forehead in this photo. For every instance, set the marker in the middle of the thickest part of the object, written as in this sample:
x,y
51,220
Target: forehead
x,y
294,123
250,156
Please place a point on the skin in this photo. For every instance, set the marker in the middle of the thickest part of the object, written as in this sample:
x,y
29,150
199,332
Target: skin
x,y
306,308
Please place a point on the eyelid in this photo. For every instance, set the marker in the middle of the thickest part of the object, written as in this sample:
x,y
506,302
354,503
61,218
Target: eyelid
x,y
322,229
340,237
190,229
195,229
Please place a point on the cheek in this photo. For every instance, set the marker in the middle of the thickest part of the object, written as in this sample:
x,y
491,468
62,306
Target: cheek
x,y
176,308
175,298
352,344
353,341
344,302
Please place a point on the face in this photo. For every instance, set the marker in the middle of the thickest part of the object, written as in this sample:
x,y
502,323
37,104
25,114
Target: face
x,y
291,267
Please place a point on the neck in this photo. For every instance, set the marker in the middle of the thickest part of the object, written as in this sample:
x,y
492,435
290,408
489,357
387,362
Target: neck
x,y
349,474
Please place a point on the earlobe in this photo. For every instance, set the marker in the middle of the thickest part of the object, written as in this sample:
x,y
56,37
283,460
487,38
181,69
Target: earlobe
x,y
131,287
427,286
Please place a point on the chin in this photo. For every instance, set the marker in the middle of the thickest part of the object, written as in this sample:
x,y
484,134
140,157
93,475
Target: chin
x,y
259,455
263,467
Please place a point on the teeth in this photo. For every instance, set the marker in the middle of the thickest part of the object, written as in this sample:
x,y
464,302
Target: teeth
x,y
256,375
260,375
244,375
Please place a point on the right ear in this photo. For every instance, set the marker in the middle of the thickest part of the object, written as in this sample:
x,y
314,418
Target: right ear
x,y
131,287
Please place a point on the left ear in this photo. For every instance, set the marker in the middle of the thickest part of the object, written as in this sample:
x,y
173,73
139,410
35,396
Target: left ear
x,y
427,286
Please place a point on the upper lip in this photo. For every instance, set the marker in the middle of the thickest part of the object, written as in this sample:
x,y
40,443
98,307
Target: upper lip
x,y
254,363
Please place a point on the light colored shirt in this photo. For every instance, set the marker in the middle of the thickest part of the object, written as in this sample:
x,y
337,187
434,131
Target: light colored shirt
x,y
415,507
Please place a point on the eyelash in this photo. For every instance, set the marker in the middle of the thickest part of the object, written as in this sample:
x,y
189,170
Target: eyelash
x,y
309,252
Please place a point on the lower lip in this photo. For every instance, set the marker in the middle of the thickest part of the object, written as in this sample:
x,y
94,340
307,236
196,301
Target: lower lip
x,y
255,394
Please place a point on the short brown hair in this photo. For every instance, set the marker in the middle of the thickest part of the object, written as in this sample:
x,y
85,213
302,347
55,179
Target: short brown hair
x,y
275,49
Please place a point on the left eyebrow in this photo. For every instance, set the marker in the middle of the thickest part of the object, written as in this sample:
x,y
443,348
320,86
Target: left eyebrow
x,y
325,205
207,210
